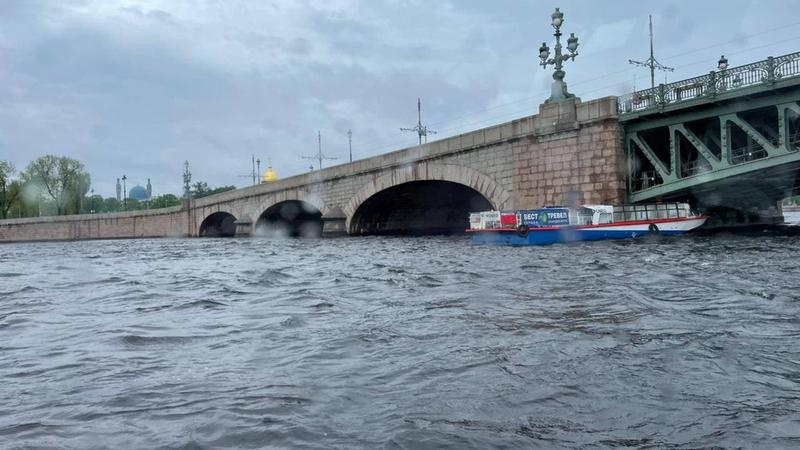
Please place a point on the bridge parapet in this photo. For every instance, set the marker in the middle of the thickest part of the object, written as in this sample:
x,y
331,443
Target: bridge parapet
x,y
734,82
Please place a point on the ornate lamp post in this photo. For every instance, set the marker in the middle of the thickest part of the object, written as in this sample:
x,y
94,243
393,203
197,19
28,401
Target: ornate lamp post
x,y
559,92
124,193
722,64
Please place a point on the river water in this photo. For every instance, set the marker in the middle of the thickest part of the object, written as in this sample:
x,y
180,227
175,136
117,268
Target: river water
x,y
401,343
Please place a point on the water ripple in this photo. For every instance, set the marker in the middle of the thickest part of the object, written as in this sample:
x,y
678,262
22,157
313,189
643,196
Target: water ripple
x,y
401,343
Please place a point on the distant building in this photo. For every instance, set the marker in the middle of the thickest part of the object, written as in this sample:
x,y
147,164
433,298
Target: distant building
x,y
269,176
138,193
141,193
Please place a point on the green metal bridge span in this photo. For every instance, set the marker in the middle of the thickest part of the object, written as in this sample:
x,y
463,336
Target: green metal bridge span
x,y
728,139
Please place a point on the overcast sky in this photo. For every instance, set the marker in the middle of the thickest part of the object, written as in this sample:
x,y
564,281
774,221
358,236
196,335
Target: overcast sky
x,y
136,87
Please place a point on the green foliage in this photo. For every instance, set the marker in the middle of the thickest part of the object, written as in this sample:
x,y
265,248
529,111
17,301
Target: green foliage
x,y
111,204
221,189
7,170
10,189
93,204
165,201
52,185
200,189
132,204
62,179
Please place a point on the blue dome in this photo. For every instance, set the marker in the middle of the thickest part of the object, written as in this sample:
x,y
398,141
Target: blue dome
x,y
138,193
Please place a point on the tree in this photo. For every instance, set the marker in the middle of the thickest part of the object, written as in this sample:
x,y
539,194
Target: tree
x,y
132,204
221,189
9,189
93,204
165,201
63,179
201,189
111,204
79,191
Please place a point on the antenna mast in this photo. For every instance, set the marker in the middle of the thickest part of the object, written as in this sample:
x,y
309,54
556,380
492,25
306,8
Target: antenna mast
x,y
319,156
651,61
422,131
254,173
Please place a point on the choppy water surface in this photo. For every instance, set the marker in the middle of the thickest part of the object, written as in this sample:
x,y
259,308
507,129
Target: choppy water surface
x,y
401,343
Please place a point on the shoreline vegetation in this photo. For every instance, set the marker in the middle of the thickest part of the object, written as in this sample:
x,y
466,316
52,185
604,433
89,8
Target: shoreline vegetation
x,y
58,186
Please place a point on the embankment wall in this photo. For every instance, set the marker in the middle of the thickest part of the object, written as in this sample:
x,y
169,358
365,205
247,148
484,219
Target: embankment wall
x,y
165,222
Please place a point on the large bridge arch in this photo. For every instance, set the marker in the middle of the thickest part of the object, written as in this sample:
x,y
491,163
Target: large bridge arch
x,y
448,191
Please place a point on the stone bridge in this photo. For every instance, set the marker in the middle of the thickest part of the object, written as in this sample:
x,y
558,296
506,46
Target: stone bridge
x,y
727,142
571,152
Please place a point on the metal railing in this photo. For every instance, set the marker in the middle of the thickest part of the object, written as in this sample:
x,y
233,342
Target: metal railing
x,y
767,72
794,141
695,167
747,153
645,180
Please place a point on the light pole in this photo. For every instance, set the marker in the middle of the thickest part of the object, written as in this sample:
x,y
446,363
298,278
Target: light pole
x,y
124,193
187,179
92,201
722,65
559,91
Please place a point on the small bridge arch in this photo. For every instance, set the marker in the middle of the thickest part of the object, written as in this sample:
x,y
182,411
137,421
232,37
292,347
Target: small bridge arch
x,y
218,224
294,213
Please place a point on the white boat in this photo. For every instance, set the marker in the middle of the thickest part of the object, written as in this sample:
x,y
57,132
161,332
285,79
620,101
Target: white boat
x,y
587,223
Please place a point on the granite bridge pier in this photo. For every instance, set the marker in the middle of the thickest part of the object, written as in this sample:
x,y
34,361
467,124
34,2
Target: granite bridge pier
x,y
728,142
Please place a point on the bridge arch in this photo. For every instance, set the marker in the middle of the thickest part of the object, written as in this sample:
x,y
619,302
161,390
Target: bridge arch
x,y
424,198
218,224
290,218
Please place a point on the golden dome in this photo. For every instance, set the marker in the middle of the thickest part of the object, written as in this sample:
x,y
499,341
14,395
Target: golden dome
x,y
269,176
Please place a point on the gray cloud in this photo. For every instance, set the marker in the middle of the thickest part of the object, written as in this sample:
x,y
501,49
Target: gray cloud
x,y
139,86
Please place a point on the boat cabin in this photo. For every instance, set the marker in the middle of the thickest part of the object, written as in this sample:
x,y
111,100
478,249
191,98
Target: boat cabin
x,y
578,216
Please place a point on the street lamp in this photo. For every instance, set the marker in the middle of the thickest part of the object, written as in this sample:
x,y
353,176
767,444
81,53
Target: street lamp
x,y
559,90
124,193
722,64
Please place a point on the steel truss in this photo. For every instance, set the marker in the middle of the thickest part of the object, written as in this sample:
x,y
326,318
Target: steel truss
x,y
734,139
